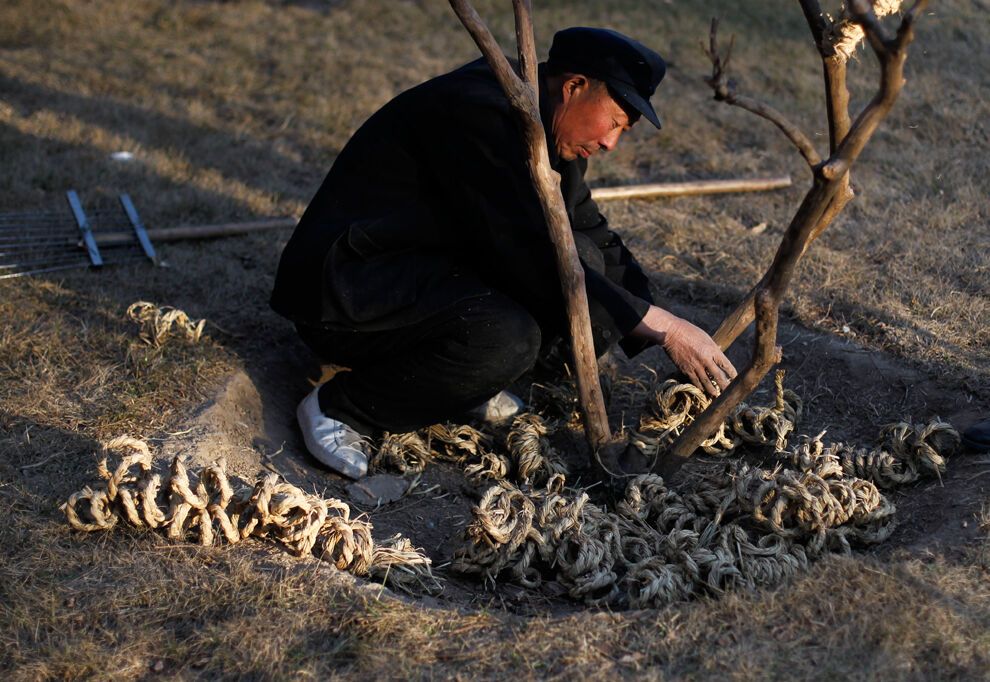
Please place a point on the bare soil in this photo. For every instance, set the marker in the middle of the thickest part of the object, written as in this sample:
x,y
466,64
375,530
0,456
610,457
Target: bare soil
x,y
250,423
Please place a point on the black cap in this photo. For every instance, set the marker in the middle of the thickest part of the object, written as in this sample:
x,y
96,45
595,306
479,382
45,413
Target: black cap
x,y
631,70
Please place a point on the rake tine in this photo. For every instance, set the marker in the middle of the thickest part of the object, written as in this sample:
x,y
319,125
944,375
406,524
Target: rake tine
x,y
142,235
23,228
45,261
72,266
42,270
83,222
23,244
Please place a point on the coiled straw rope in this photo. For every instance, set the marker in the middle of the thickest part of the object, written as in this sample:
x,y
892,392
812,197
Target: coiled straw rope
x,y
675,406
747,526
208,506
530,459
157,323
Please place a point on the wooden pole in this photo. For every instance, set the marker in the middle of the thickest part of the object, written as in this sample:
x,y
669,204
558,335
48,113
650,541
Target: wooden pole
x,y
661,189
171,234
680,189
523,94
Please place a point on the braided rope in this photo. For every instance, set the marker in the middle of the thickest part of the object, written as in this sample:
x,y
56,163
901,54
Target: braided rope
x,y
530,459
534,460
675,406
749,526
157,323
201,504
406,453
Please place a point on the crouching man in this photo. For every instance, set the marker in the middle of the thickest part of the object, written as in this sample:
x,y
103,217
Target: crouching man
x,y
424,263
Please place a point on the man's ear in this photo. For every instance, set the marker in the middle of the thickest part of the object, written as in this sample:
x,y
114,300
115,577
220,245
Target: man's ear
x,y
573,85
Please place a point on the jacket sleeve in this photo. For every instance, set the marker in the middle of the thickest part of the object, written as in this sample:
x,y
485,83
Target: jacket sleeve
x,y
494,201
621,275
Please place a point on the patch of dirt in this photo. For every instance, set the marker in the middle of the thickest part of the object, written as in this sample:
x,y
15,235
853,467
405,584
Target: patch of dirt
x,y
848,391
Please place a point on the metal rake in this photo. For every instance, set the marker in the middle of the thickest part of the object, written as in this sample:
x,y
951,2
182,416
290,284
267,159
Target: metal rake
x,y
33,243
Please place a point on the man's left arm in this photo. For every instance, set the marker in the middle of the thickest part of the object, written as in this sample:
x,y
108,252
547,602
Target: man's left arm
x,y
619,291
623,291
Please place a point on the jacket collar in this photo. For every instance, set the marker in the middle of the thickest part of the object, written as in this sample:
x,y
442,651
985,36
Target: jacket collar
x,y
546,116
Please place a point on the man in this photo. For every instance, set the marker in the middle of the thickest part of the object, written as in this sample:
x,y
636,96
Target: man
x,y
424,263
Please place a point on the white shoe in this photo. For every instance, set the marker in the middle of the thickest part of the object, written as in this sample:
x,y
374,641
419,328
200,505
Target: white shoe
x,y
498,408
332,442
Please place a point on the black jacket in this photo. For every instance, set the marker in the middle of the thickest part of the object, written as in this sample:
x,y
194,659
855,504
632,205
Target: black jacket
x,y
431,202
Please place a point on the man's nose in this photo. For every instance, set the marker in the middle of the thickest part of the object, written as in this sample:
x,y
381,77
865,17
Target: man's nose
x,y
609,141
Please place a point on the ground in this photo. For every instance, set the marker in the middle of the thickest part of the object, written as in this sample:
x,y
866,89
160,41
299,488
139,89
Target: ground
x,y
234,110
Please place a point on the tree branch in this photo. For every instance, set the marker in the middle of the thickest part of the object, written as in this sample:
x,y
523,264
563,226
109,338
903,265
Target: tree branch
x,y
891,53
725,91
526,44
524,98
837,109
829,193
739,319
766,354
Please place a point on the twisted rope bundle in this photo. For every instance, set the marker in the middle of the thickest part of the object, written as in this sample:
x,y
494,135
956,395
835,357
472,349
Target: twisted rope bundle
x,y
201,504
748,526
534,460
910,453
157,323
676,405
530,459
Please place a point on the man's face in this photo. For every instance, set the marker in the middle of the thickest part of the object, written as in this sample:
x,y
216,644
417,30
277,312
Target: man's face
x,y
586,120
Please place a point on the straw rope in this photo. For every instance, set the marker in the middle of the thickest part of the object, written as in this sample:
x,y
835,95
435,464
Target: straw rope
x,y
748,526
744,527
211,508
157,323
676,405
529,457
846,35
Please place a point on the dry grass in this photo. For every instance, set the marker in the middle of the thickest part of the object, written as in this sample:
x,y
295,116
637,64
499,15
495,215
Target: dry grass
x,y
235,109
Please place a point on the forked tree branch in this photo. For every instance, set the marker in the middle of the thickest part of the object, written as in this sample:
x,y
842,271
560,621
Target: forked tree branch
x,y
725,91
837,110
766,354
523,95
891,53
834,62
828,194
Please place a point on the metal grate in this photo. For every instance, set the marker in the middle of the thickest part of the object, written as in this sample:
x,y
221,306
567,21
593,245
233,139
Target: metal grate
x,y
33,243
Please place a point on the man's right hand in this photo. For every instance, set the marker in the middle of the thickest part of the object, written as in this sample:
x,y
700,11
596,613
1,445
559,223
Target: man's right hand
x,y
690,348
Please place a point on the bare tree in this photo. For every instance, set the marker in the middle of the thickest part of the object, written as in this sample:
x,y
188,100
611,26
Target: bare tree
x,y
830,190
829,193
523,90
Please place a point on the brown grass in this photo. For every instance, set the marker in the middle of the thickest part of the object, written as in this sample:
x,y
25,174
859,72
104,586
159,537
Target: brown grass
x,y
236,110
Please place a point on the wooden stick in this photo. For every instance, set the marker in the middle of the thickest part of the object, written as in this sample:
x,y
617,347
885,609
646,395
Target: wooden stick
x,y
680,189
171,234
765,356
661,189
523,95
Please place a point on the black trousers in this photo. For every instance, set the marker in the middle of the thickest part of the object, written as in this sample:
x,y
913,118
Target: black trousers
x,y
404,379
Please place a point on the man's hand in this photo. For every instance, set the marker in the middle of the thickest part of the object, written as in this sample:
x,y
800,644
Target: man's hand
x,y
691,349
